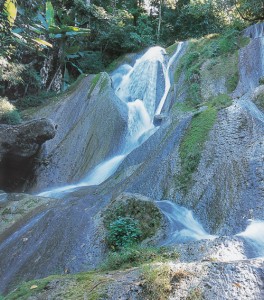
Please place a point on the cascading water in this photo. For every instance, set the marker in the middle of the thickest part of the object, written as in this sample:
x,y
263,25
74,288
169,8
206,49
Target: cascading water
x,y
254,236
137,87
182,225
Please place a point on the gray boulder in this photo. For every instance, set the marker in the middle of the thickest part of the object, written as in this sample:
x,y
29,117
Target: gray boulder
x,y
23,141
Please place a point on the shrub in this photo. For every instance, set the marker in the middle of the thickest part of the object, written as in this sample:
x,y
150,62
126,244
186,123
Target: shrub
x,y
11,118
123,232
146,214
8,113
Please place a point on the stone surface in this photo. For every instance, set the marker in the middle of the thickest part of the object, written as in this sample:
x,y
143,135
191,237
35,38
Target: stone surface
x,y
91,126
23,141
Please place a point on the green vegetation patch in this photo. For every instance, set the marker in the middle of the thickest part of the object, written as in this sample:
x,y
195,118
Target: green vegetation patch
x,y
156,282
8,113
221,54
171,49
136,256
145,215
94,83
192,145
220,101
123,232
89,285
258,97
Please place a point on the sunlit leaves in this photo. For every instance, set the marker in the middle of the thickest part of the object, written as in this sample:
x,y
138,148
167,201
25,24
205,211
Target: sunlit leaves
x,y
50,14
11,10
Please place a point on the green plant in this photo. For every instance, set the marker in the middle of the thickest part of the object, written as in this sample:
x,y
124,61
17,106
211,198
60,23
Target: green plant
x,y
34,100
123,232
136,256
156,281
145,213
8,113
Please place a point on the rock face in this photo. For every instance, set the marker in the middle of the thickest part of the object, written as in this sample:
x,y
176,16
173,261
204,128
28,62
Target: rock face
x,y
91,126
18,145
226,188
23,141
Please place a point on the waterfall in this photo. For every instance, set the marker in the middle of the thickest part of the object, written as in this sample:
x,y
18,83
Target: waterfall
x,y
137,87
167,78
254,235
182,225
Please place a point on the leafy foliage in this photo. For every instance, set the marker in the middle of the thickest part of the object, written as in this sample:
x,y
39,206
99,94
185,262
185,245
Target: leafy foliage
x,y
146,214
123,233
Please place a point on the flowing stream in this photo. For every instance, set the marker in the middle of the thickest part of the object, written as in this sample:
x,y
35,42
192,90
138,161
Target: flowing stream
x,y
137,87
182,226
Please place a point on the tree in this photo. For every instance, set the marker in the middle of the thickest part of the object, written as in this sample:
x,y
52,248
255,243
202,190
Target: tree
x,y
250,10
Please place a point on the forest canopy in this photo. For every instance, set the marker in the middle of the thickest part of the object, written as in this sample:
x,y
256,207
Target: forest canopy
x,y
46,45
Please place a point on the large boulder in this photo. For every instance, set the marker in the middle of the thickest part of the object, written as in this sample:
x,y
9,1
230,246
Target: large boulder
x,y
24,140
19,146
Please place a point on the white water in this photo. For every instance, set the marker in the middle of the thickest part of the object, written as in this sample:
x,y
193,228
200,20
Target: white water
x,y
182,226
137,87
254,235
167,78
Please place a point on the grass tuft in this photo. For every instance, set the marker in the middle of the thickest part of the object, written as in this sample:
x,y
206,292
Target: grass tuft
x,y
134,257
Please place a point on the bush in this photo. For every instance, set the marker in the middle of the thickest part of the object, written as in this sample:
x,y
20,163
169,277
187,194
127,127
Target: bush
x,y
8,113
123,232
146,214
11,118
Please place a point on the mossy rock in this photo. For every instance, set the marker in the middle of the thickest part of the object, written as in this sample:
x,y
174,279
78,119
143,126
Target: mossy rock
x,y
192,145
89,285
136,207
258,97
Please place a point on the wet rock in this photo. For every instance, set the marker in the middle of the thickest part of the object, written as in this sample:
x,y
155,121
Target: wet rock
x,y
158,119
18,147
23,141
91,127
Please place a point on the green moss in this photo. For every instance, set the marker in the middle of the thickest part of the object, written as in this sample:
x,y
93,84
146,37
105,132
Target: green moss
x,y
145,213
192,145
222,51
220,101
134,257
104,82
259,99
25,290
171,49
182,107
94,83
90,285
